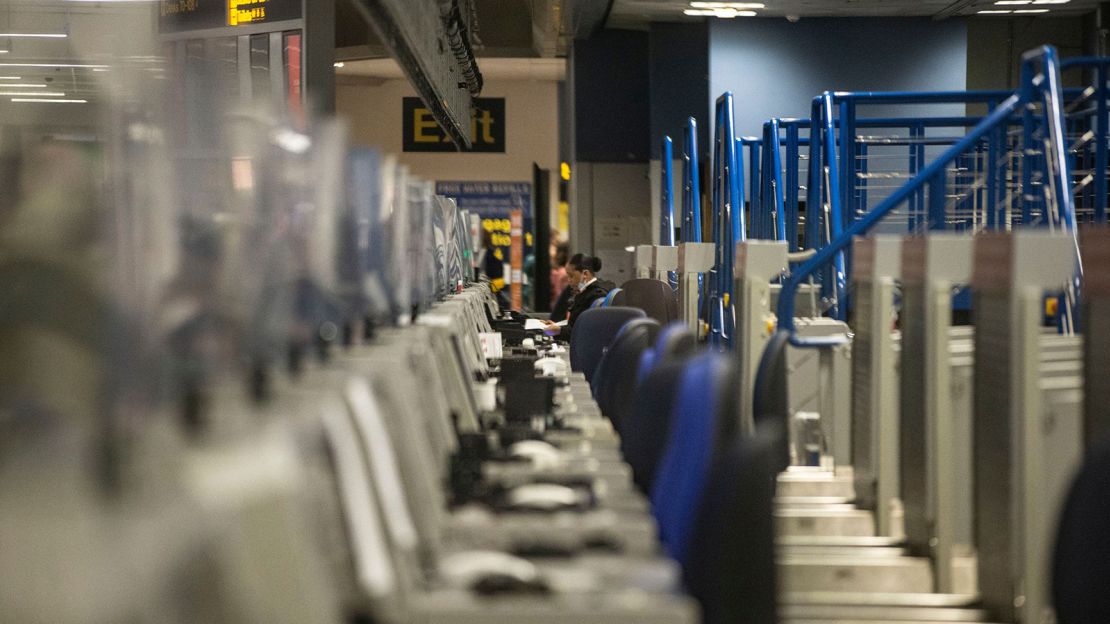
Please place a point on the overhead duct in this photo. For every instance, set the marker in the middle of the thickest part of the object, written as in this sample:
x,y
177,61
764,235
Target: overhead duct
x,y
583,18
430,40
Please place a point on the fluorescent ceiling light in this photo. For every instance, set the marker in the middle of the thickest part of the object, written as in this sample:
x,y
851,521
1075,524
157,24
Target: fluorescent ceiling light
x,y
722,13
995,12
728,5
1014,2
44,101
1031,11
340,64
60,65
11,77
35,35
1051,1
32,94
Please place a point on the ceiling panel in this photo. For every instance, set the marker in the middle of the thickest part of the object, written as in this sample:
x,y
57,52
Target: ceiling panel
x,y
637,13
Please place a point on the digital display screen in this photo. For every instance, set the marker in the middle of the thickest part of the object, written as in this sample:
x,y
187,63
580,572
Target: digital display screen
x,y
187,15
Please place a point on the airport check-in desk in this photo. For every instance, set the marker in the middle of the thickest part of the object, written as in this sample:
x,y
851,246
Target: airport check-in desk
x,y
819,378
933,573
608,567
1028,426
875,379
694,261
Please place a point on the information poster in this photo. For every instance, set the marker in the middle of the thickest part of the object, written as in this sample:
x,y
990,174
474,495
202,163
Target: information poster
x,y
494,202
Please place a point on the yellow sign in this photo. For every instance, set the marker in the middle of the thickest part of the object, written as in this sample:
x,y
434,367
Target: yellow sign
x,y
240,12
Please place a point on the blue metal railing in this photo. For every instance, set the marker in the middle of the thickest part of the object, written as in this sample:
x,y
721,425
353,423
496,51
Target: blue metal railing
x,y
691,186
1040,85
728,226
1088,120
666,203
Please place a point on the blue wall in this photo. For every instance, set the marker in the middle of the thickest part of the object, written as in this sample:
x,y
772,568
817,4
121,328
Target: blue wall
x,y
775,68
679,55
611,93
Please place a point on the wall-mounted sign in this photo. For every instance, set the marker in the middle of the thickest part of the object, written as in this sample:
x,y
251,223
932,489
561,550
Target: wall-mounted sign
x,y
495,203
186,15
421,133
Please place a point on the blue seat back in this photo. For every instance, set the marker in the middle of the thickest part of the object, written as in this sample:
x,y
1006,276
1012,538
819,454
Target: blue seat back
x,y
593,331
615,380
674,340
730,567
1081,563
771,399
646,427
705,417
611,296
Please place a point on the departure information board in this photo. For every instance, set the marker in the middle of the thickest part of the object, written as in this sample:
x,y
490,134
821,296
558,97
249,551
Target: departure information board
x,y
186,15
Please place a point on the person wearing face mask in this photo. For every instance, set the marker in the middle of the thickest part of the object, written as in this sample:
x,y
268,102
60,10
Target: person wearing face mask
x,y
582,271
561,307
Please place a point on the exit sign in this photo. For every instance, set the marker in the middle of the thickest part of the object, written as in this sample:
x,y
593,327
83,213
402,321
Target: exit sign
x,y
421,133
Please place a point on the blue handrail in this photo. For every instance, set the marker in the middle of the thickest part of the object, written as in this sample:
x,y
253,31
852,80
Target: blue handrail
x,y
666,204
1044,84
728,221
691,186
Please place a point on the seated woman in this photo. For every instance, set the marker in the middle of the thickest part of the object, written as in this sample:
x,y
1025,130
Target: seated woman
x,y
585,269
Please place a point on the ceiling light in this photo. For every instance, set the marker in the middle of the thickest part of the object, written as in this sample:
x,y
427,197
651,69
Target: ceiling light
x,y
35,35
722,13
728,5
50,101
1031,11
1014,2
1051,1
340,64
58,65
11,77
35,94
995,12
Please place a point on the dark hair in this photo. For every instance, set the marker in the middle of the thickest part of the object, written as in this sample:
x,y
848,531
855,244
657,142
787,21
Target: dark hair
x,y
582,262
562,250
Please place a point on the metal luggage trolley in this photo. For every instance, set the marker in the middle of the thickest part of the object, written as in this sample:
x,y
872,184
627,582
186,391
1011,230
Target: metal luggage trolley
x,y
1088,128
728,226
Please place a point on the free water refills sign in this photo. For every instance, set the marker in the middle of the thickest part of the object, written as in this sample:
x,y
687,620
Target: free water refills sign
x,y
494,202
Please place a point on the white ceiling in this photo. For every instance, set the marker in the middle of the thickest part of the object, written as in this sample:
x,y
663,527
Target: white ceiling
x,y
540,69
633,13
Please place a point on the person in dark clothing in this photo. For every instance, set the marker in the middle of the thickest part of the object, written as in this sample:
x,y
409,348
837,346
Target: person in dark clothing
x,y
562,305
585,270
